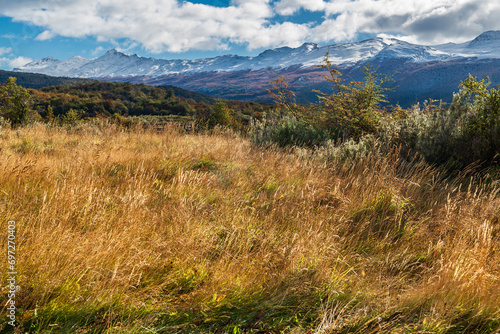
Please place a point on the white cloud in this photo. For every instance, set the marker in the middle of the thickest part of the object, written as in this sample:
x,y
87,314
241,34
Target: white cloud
x,y
19,61
98,50
289,7
159,25
423,21
178,26
15,62
46,35
4,50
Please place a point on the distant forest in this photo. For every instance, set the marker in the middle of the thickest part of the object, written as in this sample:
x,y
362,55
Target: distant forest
x,y
90,98
72,100
125,99
37,81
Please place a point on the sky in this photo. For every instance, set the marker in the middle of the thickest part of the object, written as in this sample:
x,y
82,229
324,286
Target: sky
x,y
173,29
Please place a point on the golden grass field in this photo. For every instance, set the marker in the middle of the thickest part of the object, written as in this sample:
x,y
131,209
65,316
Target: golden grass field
x,y
165,232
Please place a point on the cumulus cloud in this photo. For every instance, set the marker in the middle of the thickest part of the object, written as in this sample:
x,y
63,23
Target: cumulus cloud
x,y
159,25
19,61
178,26
15,62
424,21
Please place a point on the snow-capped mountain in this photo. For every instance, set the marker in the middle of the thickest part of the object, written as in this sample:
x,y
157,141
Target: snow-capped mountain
x,y
484,46
419,72
118,64
64,68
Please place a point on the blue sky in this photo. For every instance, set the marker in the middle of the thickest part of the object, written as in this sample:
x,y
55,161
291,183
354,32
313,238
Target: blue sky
x,y
34,29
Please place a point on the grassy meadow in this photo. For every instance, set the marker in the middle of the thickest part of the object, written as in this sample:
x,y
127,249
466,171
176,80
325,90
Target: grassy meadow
x,y
139,231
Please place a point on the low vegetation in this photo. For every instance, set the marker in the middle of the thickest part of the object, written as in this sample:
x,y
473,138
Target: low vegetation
x,y
332,218
465,132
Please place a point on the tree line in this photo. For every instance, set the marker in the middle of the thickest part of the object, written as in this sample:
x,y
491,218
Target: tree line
x,y
70,103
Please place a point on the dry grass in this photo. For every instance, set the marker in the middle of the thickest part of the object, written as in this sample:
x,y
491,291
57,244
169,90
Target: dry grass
x,y
146,232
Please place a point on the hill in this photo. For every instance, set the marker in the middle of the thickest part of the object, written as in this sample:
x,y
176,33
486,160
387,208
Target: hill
x,y
126,99
36,81
184,93
101,98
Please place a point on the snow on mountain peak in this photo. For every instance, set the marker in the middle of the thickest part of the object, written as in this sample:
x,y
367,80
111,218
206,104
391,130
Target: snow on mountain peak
x,y
275,51
114,52
48,59
38,66
309,46
492,35
386,40
486,45
383,48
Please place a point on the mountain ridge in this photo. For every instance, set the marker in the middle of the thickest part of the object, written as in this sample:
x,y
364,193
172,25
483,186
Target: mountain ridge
x,y
420,72
118,64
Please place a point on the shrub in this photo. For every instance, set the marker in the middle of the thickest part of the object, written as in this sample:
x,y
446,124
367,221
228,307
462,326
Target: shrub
x,y
353,110
467,131
71,117
219,116
4,123
349,151
286,131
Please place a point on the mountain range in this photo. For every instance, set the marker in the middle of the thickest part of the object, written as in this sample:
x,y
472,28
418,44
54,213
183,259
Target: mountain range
x,y
419,71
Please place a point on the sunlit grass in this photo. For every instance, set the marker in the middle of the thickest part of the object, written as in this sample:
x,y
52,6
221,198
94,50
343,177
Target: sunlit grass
x,y
142,232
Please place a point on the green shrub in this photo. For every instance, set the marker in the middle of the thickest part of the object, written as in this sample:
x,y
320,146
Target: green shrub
x,y
352,110
466,132
4,123
350,150
72,117
220,115
286,131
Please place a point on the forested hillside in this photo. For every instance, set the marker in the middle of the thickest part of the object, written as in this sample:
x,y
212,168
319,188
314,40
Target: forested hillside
x,y
71,103
36,81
